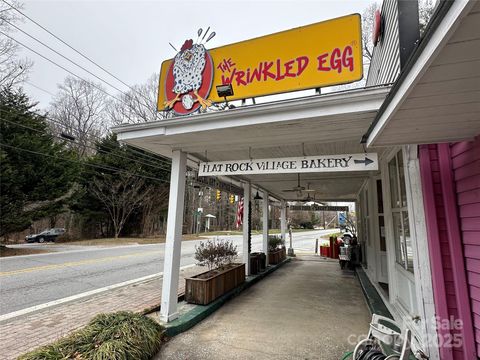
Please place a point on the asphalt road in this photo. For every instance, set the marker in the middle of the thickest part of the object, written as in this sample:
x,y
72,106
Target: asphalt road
x,y
31,280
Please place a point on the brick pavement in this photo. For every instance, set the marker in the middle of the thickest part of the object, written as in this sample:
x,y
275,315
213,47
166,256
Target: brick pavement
x,y
25,333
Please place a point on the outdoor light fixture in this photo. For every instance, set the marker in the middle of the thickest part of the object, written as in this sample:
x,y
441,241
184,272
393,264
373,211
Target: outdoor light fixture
x,y
225,90
257,196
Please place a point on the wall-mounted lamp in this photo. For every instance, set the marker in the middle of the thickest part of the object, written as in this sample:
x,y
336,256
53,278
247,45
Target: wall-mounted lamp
x,y
224,91
257,196
256,200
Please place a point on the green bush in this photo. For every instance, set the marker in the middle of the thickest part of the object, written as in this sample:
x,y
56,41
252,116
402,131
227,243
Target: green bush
x,y
274,242
118,336
215,253
306,225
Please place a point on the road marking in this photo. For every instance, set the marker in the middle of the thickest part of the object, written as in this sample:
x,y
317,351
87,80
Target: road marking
x,y
75,263
36,308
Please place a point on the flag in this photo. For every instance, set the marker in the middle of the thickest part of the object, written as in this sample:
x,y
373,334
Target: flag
x,y
239,220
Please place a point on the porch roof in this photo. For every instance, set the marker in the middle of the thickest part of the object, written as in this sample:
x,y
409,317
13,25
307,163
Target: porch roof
x,y
316,125
437,97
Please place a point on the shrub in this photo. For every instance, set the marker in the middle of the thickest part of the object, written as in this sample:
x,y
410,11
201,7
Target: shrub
x,y
274,242
118,336
215,253
306,225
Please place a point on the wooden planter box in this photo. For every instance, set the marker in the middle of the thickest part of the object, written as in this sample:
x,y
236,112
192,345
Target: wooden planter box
x,y
203,291
277,256
257,263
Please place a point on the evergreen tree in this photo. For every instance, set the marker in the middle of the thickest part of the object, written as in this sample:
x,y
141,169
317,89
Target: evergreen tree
x,y
35,178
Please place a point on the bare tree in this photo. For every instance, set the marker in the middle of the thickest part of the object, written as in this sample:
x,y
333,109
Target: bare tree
x,y
425,12
79,108
13,69
368,20
154,206
120,194
350,225
136,106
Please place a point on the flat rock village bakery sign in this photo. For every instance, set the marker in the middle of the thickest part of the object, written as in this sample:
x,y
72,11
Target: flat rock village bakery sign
x,y
305,164
318,55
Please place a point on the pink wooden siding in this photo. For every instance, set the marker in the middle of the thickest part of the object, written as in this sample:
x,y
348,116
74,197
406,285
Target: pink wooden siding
x,y
466,167
451,187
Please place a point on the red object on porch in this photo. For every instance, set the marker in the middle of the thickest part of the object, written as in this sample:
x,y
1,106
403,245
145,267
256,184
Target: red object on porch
x,y
325,251
332,244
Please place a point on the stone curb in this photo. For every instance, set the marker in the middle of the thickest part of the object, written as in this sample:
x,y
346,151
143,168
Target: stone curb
x,y
200,312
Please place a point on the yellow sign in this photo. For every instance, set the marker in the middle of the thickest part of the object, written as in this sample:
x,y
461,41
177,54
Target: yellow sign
x,y
318,55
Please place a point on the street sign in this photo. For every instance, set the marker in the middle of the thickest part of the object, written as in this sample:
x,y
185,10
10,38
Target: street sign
x,y
317,208
324,163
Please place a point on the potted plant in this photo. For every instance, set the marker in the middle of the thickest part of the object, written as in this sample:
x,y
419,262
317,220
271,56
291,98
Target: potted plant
x,y
276,250
222,276
257,262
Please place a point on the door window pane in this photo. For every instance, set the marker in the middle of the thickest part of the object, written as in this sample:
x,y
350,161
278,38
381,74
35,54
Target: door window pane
x,y
401,228
408,241
379,197
392,171
398,237
381,225
401,173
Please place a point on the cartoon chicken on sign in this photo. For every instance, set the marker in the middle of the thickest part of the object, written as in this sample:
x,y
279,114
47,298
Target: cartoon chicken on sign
x,y
189,78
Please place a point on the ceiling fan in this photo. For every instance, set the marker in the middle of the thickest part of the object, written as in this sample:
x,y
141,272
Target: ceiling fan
x,y
299,188
311,201
309,190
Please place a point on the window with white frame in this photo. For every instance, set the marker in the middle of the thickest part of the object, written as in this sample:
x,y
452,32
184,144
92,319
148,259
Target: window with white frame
x,y
401,229
366,217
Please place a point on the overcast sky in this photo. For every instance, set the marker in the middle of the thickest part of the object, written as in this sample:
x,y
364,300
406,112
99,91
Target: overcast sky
x,y
130,38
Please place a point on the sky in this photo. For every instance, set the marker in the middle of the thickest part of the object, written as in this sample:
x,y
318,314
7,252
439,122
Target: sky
x,y
131,38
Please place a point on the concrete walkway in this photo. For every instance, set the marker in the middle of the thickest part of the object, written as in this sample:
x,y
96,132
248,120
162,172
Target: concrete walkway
x,y
308,309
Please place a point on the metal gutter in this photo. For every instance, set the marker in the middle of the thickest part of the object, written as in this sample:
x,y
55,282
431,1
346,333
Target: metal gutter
x,y
278,106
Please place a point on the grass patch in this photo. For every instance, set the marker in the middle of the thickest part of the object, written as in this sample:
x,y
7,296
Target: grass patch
x,y
7,251
254,232
117,336
220,233
125,241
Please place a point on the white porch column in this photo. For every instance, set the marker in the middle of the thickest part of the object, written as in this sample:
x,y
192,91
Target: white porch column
x,y
171,267
265,225
246,207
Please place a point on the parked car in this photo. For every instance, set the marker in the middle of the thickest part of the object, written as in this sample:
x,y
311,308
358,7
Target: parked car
x,y
46,235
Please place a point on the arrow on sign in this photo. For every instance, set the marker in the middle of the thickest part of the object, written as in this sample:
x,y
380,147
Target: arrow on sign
x,y
366,161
